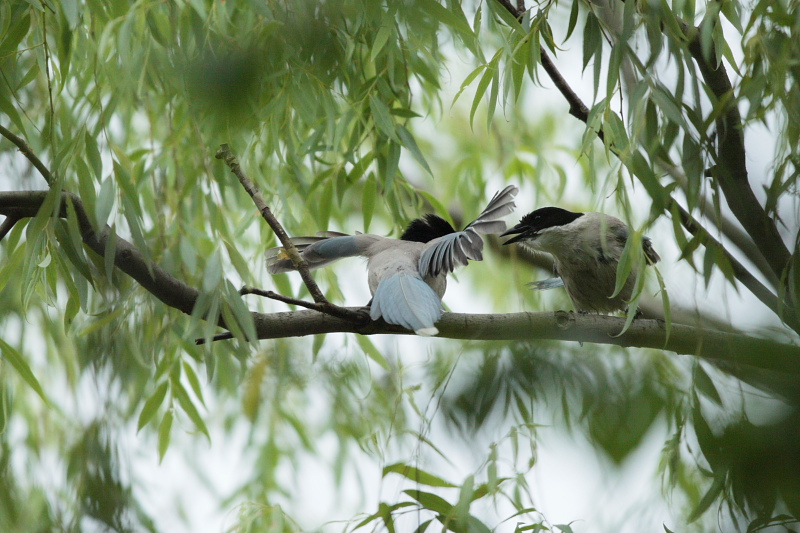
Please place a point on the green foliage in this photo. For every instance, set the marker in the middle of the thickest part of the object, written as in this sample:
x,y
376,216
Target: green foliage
x,y
358,115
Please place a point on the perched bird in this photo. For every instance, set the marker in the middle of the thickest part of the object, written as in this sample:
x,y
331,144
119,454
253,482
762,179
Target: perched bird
x,y
407,277
586,248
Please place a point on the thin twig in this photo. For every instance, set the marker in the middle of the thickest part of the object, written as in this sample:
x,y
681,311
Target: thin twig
x,y
226,154
27,152
281,298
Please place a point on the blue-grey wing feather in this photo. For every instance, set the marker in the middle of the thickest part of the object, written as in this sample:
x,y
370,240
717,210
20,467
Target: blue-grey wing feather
x,y
405,300
547,284
456,249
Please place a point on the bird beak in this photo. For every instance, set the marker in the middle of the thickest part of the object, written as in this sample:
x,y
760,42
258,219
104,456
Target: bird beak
x,y
521,233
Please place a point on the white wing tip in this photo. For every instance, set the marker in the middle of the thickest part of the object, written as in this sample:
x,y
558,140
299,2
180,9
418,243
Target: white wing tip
x,y
427,332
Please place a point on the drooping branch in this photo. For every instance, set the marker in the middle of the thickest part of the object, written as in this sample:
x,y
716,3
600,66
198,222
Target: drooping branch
x,y
321,303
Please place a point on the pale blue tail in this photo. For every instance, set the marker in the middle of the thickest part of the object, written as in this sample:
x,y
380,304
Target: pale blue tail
x,y
405,300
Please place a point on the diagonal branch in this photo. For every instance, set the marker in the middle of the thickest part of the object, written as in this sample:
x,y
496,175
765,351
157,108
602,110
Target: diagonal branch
x,y
731,168
26,150
127,257
321,303
740,272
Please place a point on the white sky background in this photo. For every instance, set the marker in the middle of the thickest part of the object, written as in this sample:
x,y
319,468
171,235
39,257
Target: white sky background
x,y
570,480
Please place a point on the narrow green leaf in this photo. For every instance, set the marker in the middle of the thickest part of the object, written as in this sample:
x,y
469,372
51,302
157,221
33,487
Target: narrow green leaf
x,y
704,384
669,106
189,408
164,429
23,369
486,79
416,475
8,108
381,38
102,322
624,267
493,98
592,39
382,117
709,497
573,19
368,199
193,382
405,113
93,154
151,406
437,205
467,81
505,16
212,273
105,202
411,145
431,501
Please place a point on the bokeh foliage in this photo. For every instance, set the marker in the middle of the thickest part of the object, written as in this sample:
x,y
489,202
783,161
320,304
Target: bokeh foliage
x,y
357,115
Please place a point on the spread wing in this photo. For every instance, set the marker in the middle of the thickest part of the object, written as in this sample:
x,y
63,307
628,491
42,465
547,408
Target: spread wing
x,y
456,249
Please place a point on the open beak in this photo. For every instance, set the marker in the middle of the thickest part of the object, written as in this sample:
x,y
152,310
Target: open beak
x,y
521,232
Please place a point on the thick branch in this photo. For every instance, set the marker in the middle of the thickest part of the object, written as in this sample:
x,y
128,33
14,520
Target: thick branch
x,y
740,272
127,257
563,326
730,347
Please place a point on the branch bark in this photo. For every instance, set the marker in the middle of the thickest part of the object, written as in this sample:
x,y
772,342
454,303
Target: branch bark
x,y
563,326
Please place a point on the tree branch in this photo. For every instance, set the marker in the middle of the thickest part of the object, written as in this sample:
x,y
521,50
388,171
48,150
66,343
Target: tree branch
x,y
563,326
8,224
127,257
321,303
